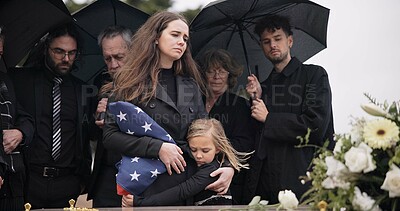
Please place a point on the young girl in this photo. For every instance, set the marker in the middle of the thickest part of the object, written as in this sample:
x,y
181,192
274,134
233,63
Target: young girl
x,y
209,147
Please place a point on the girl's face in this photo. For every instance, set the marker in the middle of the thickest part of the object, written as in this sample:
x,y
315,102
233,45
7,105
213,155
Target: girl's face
x,y
173,42
203,149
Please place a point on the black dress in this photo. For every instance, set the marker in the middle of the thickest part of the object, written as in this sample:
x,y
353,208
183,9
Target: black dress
x,y
234,114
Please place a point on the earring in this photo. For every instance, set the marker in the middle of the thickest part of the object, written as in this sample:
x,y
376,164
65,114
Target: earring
x,y
156,42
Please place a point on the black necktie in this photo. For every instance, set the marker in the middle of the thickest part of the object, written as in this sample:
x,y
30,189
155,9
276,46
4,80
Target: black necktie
x,y
56,149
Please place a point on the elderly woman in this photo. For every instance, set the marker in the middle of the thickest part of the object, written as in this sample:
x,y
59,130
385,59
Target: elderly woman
x,y
221,72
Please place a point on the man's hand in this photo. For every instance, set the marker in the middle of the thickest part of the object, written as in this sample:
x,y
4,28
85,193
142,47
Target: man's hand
x,y
1,181
171,156
127,200
101,108
253,87
221,186
258,110
11,139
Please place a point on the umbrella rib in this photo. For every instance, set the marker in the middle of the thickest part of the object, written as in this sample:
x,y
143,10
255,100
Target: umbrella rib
x,y
115,13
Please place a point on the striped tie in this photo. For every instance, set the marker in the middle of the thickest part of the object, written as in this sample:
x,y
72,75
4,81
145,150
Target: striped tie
x,y
56,149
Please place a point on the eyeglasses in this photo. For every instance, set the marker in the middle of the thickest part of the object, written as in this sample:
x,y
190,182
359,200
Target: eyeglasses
x,y
220,73
61,54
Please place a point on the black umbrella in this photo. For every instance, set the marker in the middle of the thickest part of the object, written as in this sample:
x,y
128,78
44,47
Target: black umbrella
x,y
229,24
26,21
91,20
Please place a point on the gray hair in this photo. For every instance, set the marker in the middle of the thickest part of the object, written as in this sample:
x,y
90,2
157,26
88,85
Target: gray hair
x,y
113,31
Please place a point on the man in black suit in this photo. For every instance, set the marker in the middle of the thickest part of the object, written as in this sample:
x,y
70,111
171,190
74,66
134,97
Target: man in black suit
x,y
58,162
294,98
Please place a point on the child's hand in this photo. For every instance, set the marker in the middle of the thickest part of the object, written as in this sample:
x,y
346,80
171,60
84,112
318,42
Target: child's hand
x,y
127,200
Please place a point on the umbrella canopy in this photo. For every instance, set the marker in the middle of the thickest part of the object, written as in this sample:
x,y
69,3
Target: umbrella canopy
x,y
26,21
90,21
229,24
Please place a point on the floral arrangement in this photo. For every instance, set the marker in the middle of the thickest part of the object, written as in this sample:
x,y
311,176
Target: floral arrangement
x,y
362,171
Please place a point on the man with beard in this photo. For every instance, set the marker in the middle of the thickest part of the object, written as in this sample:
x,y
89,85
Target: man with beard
x,y
293,99
59,154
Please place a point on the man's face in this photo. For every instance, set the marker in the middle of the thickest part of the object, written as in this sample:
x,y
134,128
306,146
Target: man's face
x,y
62,53
114,53
276,45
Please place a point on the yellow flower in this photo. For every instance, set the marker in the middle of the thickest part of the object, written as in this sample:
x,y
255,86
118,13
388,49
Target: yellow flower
x,y
381,134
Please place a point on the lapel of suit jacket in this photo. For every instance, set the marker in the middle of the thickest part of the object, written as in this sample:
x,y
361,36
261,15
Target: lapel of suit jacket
x,y
185,89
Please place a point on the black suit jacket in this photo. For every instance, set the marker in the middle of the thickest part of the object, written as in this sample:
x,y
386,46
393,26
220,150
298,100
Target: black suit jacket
x,y
29,91
175,119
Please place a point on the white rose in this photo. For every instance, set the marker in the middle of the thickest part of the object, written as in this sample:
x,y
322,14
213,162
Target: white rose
x,y
334,182
288,200
374,110
359,159
392,181
362,201
338,146
335,167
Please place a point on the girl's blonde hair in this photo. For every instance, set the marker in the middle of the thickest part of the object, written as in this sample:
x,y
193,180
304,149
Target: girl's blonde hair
x,y
138,78
212,127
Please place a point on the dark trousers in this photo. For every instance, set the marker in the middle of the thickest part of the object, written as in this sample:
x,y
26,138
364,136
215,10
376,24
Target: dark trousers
x,y
45,192
105,190
11,192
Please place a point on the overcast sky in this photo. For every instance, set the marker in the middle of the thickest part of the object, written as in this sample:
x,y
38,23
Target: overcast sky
x,y
363,38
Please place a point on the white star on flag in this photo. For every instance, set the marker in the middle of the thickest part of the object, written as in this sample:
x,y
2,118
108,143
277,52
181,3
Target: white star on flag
x,y
138,109
130,132
121,116
169,137
135,176
146,126
135,159
154,173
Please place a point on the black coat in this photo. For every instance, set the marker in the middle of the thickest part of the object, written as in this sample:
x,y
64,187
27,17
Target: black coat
x,y
29,91
14,183
297,99
175,119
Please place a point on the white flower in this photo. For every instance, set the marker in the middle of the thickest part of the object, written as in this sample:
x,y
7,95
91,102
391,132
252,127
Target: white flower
x,y
392,181
357,131
334,182
359,159
362,201
288,200
374,110
335,167
338,146
381,133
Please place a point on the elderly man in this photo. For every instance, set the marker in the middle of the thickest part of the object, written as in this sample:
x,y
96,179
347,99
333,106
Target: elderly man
x,y
114,42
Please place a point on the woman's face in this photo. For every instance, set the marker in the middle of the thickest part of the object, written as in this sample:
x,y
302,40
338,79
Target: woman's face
x,y
173,42
217,78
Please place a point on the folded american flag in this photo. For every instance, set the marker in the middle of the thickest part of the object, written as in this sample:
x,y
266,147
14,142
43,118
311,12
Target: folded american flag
x,y
136,174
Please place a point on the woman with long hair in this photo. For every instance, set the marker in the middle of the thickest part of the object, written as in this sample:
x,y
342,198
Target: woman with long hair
x,y
161,77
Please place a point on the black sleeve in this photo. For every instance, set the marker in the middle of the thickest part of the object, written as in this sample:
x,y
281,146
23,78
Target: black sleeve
x,y
194,185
